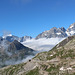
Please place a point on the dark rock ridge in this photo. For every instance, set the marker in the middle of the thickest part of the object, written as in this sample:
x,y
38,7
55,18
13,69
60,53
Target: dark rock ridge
x,y
17,46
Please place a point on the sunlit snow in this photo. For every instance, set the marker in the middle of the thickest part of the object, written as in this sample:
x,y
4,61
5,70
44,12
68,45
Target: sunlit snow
x,y
58,33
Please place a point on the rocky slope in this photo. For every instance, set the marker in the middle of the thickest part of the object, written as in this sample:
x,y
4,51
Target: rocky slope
x,y
58,61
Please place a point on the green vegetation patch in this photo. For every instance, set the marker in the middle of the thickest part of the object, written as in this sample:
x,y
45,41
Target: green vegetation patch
x,y
33,72
53,68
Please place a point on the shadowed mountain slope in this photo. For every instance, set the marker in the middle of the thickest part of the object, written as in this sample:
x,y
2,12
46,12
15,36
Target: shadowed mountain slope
x,y
10,53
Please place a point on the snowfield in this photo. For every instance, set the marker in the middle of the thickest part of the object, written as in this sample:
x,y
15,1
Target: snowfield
x,y
43,44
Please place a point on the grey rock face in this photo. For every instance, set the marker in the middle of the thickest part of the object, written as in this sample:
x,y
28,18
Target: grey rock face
x,y
1,39
12,38
22,39
58,32
53,33
17,46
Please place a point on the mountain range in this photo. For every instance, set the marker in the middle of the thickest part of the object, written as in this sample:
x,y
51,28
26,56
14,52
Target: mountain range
x,y
14,48
60,60
52,33
11,38
48,39
58,32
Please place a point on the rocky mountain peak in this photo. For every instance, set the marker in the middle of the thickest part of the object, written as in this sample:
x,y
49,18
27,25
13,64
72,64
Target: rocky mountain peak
x,y
53,33
16,46
72,26
63,29
1,38
6,35
11,38
13,51
58,32
71,30
24,38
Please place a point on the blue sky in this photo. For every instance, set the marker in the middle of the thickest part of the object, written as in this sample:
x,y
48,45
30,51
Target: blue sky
x,y
31,17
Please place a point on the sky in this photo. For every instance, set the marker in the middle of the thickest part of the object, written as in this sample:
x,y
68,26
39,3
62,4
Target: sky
x,y
31,17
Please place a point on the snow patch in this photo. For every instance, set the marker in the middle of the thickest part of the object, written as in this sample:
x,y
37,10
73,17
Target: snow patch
x,y
71,26
68,33
69,68
62,69
7,35
51,55
58,33
72,32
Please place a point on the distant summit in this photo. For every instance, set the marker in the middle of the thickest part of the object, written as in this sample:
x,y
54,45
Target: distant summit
x,y
71,30
17,46
24,38
11,38
53,33
4,36
58,32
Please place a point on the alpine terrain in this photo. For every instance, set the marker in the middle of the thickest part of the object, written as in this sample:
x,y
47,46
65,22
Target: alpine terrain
x,y
48,39
44,41
60,60
12,52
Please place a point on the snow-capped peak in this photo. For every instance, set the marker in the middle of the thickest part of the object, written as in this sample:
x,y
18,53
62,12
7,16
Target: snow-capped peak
x,y
53,33
4,36
71,26
71,30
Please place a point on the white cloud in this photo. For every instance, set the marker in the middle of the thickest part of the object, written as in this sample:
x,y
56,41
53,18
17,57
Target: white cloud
x,y
42,44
